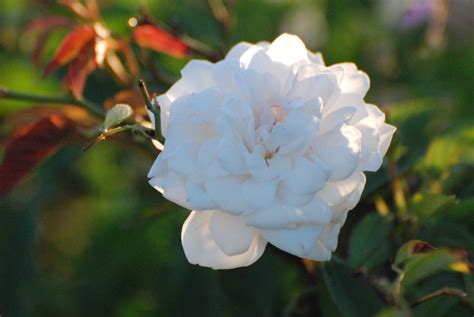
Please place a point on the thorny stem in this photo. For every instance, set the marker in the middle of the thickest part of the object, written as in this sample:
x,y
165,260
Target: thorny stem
x,y
153,108
82,102
444,292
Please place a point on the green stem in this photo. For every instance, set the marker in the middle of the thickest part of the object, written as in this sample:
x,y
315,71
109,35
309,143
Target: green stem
x,y
88,105
153,109
444,292
148,133
223,18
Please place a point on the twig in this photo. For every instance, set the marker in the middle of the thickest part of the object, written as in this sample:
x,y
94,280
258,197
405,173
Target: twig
x,y
223,18
444,292
153,108
108,133
88,105
202,50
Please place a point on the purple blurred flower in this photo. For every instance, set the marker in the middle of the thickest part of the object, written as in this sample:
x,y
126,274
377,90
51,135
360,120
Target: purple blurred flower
x,y
416,13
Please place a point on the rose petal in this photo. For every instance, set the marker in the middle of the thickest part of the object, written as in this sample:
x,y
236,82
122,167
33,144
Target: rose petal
x,y
259,194
198,197
336,193
354,80
287,49
298,241
173,188
340,150
350,200
230,233
196,76
201,248
227,193
307,177
279,217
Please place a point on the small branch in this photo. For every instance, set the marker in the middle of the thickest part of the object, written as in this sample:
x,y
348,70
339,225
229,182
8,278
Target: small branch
x,y
148,133
153,109
444,292
202,50
89,106
223,18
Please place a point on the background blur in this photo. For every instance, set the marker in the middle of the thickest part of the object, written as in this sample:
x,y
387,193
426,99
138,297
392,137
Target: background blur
x,y
85,235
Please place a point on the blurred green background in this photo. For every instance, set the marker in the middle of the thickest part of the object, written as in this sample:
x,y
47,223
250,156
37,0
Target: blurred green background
x,y
85,235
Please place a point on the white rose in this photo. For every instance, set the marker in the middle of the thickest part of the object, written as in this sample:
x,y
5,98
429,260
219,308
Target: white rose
x,y
267,145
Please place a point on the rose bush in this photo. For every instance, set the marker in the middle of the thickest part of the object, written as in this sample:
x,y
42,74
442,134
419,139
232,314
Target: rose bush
x,y
267,145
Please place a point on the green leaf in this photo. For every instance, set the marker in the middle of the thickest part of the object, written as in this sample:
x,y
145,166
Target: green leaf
x,y
454,147
424,265
410,249
117,114
426,205
368,245
352,293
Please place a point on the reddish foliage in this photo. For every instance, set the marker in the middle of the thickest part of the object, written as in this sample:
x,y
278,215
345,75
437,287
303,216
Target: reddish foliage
x,y
70,47
29,146
80,116
156,38
47,23
79,70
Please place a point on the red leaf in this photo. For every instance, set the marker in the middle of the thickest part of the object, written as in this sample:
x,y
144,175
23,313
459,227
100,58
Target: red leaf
x,y
79,70
156,38
78,115
70,47
29,146
46,23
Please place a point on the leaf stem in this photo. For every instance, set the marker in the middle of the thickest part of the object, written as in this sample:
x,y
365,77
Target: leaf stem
x,y
148,133
444,292
82,102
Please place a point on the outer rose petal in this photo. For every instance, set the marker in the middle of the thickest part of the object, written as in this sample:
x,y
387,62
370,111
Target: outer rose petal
x,y
353,80
386,134
336,193
200,246
287,49
339,211
238,50
376,136
299,241
340,150
317,212
173,188
196,76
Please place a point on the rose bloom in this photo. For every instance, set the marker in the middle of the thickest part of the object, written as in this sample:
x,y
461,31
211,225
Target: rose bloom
x,y
268,145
